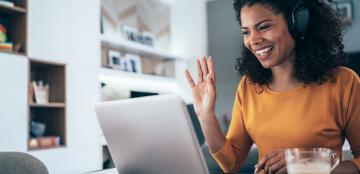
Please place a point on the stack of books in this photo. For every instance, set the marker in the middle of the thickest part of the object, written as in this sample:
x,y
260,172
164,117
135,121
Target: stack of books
x,y
6,46
44,142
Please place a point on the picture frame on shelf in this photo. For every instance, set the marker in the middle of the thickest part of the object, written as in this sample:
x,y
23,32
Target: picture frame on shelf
x,y
134,63
345,10
132,34
148,38
115,60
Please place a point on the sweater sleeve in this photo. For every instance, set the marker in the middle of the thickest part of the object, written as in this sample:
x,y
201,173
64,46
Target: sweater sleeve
x,y
238,143
353,117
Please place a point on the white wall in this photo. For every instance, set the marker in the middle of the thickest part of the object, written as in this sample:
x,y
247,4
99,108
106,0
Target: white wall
x,y
188,36
225,40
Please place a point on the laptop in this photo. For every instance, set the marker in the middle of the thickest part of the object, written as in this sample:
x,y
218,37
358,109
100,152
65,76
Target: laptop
x,y
151,135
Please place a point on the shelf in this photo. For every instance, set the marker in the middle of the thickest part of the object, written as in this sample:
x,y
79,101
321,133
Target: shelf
x,y
48,105
118,42
12,53
47,148
52,115
134,76
14,19
4,9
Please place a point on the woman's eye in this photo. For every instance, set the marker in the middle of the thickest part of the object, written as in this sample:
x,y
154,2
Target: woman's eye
x,y
264,27
245,32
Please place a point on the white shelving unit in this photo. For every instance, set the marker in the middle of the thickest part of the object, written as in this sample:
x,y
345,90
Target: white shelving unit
x,y
135,76
136,81
138,48
140,82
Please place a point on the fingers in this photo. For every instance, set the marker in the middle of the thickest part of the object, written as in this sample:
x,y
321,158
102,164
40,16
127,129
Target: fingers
x,y
211,68
199,70
282,170
275,163
189,78
210,84
261,164
204,66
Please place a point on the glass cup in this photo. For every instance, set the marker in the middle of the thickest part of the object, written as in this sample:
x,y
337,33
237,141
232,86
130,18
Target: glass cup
x,y
310,160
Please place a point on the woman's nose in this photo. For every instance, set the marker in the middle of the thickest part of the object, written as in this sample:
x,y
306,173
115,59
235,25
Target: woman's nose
x,y
255,38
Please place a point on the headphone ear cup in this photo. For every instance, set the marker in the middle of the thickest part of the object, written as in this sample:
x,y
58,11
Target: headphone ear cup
x,y
301,20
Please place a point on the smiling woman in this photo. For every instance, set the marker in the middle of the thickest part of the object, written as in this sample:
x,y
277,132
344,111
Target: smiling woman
x,y
266,36
318,52
295,93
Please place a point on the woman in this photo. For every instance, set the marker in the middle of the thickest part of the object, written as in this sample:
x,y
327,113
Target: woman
x,y
294,92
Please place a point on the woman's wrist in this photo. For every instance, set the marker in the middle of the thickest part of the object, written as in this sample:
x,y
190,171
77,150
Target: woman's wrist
x,y
206,116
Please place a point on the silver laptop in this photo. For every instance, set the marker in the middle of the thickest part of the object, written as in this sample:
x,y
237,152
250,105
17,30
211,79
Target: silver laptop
x,y
151,135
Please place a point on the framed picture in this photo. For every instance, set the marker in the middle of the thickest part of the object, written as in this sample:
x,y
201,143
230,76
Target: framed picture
x,y
344,9
115,60
133,63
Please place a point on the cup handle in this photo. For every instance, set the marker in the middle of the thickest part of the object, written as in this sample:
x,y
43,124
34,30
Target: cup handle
x,y
334,160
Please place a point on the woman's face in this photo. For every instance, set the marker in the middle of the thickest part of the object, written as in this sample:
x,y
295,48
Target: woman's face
x,y
266,35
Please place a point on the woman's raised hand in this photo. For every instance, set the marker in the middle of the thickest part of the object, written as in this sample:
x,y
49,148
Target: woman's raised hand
x,y
204,93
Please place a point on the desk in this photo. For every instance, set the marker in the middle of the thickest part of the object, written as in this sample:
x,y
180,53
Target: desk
x,y
107,171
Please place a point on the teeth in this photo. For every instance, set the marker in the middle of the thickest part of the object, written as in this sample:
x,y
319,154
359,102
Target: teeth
x,y
263,51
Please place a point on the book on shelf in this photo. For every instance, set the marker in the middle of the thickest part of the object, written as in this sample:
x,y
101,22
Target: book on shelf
x,y
43,142
7,3
6,46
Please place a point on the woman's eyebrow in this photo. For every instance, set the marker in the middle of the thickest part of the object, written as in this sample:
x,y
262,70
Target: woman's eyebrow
x,y
257,24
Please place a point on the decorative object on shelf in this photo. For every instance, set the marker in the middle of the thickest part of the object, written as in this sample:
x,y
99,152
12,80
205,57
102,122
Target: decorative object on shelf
x,y
41,92
37,129
44,142
134,63
165,68
158,67
8,3
132,34
345,10
4,44
116,61
149,38
115,91
151,19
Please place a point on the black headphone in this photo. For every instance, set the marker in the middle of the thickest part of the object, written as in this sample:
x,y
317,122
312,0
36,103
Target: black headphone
x,y
298,19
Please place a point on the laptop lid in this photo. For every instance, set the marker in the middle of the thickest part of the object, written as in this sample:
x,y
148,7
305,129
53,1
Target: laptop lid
x,y
151,135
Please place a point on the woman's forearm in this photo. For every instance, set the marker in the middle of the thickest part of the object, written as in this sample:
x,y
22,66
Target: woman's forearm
x,y
212,132
346,167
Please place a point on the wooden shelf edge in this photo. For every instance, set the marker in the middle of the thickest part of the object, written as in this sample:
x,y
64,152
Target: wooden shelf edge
x,y
47,148
14,9
13,52
138,48
48,105
105,71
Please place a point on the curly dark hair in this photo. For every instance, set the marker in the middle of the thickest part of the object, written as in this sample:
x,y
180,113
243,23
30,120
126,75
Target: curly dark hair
x,y
318,54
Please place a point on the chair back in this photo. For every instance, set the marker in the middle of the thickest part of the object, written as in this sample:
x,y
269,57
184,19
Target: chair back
x,y
21,163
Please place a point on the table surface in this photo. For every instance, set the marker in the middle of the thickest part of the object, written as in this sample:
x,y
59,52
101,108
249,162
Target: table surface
x,y
114,171
107,171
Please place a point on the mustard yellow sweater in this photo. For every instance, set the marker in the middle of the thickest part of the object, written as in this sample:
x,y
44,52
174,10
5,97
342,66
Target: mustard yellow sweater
x,y
307,116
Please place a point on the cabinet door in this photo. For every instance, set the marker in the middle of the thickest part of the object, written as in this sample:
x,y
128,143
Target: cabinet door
x,y
47,35
13,102
71,160
84,31
83,90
